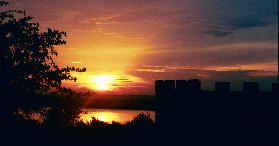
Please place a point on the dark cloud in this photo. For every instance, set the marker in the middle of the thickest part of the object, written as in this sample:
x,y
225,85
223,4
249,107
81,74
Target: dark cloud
x,y
243,22
191,20
267,13
247,22
123,79
218,33
243,15
126,81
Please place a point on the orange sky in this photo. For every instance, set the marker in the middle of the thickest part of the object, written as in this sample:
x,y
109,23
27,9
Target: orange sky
x,y
126,45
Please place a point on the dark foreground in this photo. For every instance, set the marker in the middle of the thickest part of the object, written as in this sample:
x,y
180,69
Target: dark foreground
x,y
261,136
204,121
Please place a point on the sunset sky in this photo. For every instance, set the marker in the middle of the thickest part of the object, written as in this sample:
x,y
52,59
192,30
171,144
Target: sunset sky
x,y
128,44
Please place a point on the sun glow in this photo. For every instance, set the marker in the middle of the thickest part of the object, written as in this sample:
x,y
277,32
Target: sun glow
x,y
106,83
103,82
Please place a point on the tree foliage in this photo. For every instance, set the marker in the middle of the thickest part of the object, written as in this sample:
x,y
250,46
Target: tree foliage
x,y
27,53
28,70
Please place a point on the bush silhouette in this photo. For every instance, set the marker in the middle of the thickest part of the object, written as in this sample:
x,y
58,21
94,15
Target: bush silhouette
x,y
141,120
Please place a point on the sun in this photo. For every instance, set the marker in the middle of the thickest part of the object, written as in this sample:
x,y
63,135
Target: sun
x,y
103,82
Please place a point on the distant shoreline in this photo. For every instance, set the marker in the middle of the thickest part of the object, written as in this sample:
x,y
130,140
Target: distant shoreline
x,y
125,102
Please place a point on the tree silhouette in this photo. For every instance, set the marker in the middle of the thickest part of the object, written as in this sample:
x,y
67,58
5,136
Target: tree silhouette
x,y
26,59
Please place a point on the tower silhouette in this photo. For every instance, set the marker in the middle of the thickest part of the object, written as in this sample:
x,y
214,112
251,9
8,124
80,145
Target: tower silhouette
x,y
251,87
222,87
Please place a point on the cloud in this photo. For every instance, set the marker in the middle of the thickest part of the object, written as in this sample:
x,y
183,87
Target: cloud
x,y
267,12
145,14
150,68
218,55
247,22
243,16
207,72
123,79
229,26
218,33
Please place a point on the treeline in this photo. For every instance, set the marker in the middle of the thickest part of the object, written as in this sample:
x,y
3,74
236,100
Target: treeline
x,y
141,102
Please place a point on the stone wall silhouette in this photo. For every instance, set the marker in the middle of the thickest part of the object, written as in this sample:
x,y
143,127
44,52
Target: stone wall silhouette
x,y
182,106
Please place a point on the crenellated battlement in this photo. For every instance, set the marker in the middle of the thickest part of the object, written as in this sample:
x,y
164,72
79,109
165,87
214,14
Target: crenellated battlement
x,y
194,85
185,97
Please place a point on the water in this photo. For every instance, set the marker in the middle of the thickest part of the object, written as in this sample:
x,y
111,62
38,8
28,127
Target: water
x,y
109,115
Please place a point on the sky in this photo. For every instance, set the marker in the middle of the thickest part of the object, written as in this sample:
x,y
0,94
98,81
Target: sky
x,y
128,44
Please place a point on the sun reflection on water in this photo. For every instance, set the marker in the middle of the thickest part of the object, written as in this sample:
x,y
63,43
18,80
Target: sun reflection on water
x,y
109,115
102,116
